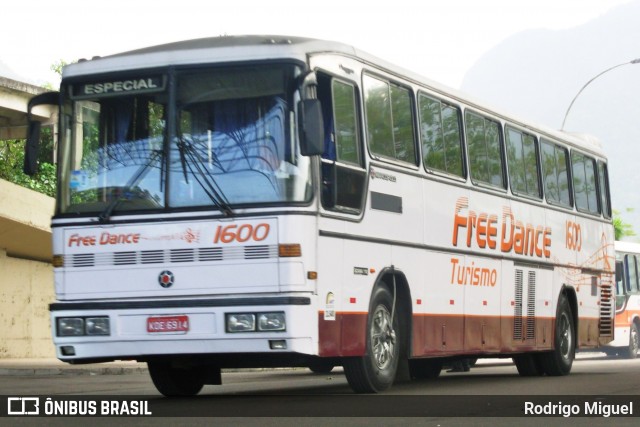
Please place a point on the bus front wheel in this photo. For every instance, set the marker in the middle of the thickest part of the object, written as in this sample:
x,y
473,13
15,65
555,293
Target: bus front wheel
x,y
174,381
376,370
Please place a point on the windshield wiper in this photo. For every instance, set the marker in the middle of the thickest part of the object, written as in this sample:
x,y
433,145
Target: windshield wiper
x,y
135,180
189,160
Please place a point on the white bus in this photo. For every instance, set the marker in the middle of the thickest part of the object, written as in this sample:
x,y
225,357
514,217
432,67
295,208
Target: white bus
x,y
283,201
627,321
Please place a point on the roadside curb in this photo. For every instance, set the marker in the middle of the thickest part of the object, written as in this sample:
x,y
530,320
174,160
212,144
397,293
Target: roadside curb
x,y
35,367
17,372
24,368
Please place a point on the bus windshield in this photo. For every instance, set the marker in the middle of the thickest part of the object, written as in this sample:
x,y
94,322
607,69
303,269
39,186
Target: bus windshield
x,y
221,138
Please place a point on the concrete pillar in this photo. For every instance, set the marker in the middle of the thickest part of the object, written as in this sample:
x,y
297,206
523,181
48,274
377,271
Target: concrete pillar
x,y
26,290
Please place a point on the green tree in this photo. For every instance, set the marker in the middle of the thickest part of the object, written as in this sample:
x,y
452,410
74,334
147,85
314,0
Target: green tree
x,y
12,160
57,68
622,229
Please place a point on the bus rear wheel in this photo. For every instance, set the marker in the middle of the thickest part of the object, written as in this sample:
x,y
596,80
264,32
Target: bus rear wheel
x,y
376,370
528,365
559,361
174,381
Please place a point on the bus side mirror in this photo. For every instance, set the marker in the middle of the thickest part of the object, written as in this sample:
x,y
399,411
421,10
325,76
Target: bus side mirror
x,y
31,149
311,127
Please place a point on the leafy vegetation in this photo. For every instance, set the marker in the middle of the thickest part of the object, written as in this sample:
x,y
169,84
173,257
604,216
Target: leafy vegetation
x,y
12,160
622,229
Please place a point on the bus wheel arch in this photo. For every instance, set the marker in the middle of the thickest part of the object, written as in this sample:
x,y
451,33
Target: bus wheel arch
x,y
387,336
572,298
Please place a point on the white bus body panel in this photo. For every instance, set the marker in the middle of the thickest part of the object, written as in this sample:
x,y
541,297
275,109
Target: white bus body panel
x,y
211,275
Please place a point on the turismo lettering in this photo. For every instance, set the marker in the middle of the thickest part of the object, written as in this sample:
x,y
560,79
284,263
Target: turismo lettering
x,y
517,237
472,275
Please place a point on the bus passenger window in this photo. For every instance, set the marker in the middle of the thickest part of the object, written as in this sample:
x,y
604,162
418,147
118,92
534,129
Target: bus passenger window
x,y
555,173
441,136
584,183
485,154
603,183
522,159
389,120
402,124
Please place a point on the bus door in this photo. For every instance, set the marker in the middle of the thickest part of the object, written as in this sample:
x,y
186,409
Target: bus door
x,y
343,183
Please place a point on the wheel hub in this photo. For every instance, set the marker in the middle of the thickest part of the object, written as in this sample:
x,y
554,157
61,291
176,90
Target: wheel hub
x,y
383,337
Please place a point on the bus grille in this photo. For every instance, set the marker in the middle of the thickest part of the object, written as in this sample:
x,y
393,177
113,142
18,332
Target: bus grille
x,y
606,310
215,254
524,323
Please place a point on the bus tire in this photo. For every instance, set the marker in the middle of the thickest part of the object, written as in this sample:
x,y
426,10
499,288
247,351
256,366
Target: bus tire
x,y
559,361
634,341
376,370
319,367
172,381
528,365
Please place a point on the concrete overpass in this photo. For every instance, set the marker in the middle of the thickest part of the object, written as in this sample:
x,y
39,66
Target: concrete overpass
x,y
14,96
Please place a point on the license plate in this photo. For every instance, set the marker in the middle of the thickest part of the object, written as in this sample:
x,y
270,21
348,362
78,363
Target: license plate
x,y
160,324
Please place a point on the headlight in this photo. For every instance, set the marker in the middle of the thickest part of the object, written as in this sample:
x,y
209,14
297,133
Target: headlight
x,y
271,322
70,326
255,322
82,326
97,326
241,322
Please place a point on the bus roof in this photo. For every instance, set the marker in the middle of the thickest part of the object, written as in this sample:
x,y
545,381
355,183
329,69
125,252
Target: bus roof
x,y
214,49
264,47
630,247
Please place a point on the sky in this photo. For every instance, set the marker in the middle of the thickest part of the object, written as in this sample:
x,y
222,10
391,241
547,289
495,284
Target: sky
x,y
438,39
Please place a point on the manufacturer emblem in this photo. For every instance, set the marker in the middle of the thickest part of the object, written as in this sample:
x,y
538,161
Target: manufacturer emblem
x,y
165,279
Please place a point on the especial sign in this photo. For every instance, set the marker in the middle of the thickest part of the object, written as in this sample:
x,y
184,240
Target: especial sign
x,y
132,86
